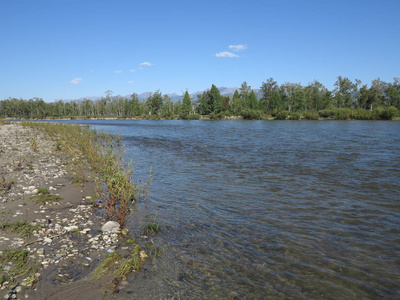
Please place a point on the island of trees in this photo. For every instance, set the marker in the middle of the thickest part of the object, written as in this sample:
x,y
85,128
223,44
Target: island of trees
x,y
348,100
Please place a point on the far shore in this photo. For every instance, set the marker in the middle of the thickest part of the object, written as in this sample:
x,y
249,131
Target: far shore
x,y
201,118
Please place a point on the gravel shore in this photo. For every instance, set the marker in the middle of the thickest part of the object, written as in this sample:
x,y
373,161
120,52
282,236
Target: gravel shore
x,y
69,242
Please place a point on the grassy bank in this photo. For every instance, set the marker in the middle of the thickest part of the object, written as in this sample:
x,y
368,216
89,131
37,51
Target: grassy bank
x,y
104,156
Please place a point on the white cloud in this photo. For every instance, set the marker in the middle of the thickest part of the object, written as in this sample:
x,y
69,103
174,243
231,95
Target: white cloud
x,y
131,82
226,54
76,80
132,70
118,72
238,48
146,63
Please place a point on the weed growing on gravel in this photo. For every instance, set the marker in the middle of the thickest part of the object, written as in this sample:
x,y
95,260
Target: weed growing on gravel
x,y
43,191
34,144
21,228
104,155
117,268
5,185
106,265
21,265
44,196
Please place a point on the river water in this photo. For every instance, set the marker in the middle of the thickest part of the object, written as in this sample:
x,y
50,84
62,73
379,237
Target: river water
x,y
267,209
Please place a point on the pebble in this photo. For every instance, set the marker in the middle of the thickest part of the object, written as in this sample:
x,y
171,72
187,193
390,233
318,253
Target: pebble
x,y
110,226
71,228
47,241
59,241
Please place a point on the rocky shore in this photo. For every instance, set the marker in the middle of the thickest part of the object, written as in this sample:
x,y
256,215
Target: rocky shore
x,y
61,231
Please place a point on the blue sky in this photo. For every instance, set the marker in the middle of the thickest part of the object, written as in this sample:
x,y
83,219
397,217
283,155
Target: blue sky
x,y
69,49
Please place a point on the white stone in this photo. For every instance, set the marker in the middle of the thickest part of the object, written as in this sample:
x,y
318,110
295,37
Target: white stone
x,y
71,228
110,226
85,231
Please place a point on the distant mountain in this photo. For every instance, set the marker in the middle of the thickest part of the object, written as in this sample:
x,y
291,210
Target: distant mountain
x,y
225,91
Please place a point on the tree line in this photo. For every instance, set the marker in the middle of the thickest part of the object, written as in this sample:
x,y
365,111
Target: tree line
x,y
348,100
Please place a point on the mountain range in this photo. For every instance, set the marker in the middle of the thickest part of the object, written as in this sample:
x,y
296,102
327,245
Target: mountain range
x,y
225,91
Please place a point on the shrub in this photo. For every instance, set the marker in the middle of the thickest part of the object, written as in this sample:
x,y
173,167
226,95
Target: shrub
x,y
361,114
311,115
327,113
189,116
295,116
251,114
218,116
342,114
281,115
388,113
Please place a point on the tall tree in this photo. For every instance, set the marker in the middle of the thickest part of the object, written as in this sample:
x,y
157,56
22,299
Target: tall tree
x,y
253,101
186,104
236,103
155,102
216,99
267,89
317,97
345,92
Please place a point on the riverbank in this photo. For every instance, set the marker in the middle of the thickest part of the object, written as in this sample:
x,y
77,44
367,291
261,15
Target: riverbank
x,y
50,237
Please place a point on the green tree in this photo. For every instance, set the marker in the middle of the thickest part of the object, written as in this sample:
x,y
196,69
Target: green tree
x,y
206,106
316,96
275,102
291,92
236,106
186,104
252,100
216,99
155,102
393,93
268,89
345,92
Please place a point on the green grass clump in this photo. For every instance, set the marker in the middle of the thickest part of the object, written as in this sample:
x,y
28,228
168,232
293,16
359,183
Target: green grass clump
x,y
116,268
22,265
3,122
131,241
21,228
34,144
43,196
43,191
106,265
152,226
125,268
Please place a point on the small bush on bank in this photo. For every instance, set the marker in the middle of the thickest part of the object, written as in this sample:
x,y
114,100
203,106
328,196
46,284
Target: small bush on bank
x,y
311,115
295,116
251,114
388,113
218,116
281,115
189,116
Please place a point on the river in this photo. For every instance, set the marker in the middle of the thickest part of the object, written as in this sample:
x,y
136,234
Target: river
x,y
267,209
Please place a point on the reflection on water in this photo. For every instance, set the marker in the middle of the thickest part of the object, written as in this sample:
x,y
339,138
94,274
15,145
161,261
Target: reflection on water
x,y
258,209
